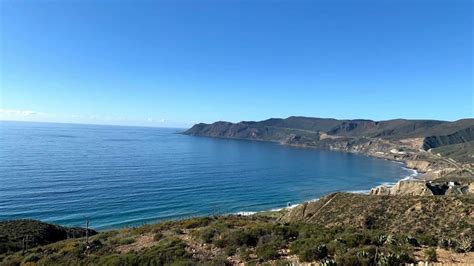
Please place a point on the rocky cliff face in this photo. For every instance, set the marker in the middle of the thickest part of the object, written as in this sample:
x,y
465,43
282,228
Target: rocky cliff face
x,y
412,188
431,133
402,140
422,188
419,165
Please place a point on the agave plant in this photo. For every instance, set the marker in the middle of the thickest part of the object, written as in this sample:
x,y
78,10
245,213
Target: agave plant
x,y
381,240
363,254
387,259
412,241
321,251
328,262
391,240
465,244
446,243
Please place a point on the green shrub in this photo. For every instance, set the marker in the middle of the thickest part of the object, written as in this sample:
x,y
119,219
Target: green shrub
x,y
166,252
157,236
197,222
245,255
351,240
34,257
312,251
178,231
267,251
251,236
220,261
287,232
230,250
105,235
184,262
126,241
336,247
116,260
208,234
412,241
349,259
430,255
428,240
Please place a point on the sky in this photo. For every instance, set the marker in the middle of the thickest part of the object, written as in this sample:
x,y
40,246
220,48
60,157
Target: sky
x,y
176,63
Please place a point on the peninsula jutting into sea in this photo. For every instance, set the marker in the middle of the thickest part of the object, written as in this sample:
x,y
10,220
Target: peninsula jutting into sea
x,y
424,217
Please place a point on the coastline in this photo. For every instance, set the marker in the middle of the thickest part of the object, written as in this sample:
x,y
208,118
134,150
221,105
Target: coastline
x,y
415,175
412,176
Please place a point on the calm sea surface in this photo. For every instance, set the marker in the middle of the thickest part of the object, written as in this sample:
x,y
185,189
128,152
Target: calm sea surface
x,y
120,176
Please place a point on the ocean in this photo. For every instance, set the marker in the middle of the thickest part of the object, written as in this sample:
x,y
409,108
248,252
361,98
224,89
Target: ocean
x,y
121,176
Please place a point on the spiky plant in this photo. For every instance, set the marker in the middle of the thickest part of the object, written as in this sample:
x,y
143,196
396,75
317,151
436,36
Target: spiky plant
x,y
328,262
381,239
412,241
363,254
465,244
391,240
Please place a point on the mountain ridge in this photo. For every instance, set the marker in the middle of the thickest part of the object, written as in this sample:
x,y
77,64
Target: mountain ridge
x,y
355,128
430,146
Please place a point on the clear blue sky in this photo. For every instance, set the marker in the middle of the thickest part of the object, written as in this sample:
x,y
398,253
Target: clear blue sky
x,y
173,63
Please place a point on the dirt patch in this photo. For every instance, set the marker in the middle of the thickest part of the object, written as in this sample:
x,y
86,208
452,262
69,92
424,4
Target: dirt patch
x,y
141,242
448,257
199,250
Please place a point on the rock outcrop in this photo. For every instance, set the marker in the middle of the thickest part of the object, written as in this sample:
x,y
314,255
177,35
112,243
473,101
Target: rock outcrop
x,y
422,188
412,188
419,165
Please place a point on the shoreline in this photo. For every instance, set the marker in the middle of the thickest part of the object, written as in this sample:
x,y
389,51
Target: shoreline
x,y
399,161
412,176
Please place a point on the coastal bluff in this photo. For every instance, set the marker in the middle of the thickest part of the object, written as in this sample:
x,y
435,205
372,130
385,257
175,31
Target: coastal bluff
x,y
434,148
425,188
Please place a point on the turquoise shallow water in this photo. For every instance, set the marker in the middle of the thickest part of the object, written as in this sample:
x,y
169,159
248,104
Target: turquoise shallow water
x,y
121,176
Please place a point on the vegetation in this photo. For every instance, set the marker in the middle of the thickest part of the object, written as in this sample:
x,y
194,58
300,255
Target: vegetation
x,y
427,217
15,235
462,152
430,255
263,238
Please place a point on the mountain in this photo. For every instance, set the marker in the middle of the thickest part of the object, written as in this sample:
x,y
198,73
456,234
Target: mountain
x,y
345,134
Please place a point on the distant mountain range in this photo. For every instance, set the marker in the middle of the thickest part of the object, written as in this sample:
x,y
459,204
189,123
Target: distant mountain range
x,y
331,133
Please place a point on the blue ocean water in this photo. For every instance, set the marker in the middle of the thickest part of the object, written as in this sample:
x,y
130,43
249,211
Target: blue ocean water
x,y
124,176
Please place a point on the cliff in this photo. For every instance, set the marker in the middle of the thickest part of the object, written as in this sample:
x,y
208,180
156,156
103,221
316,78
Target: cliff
x,y
378,138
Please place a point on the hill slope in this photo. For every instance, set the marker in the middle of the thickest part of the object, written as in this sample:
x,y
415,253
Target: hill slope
x,y
342,228
14,233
